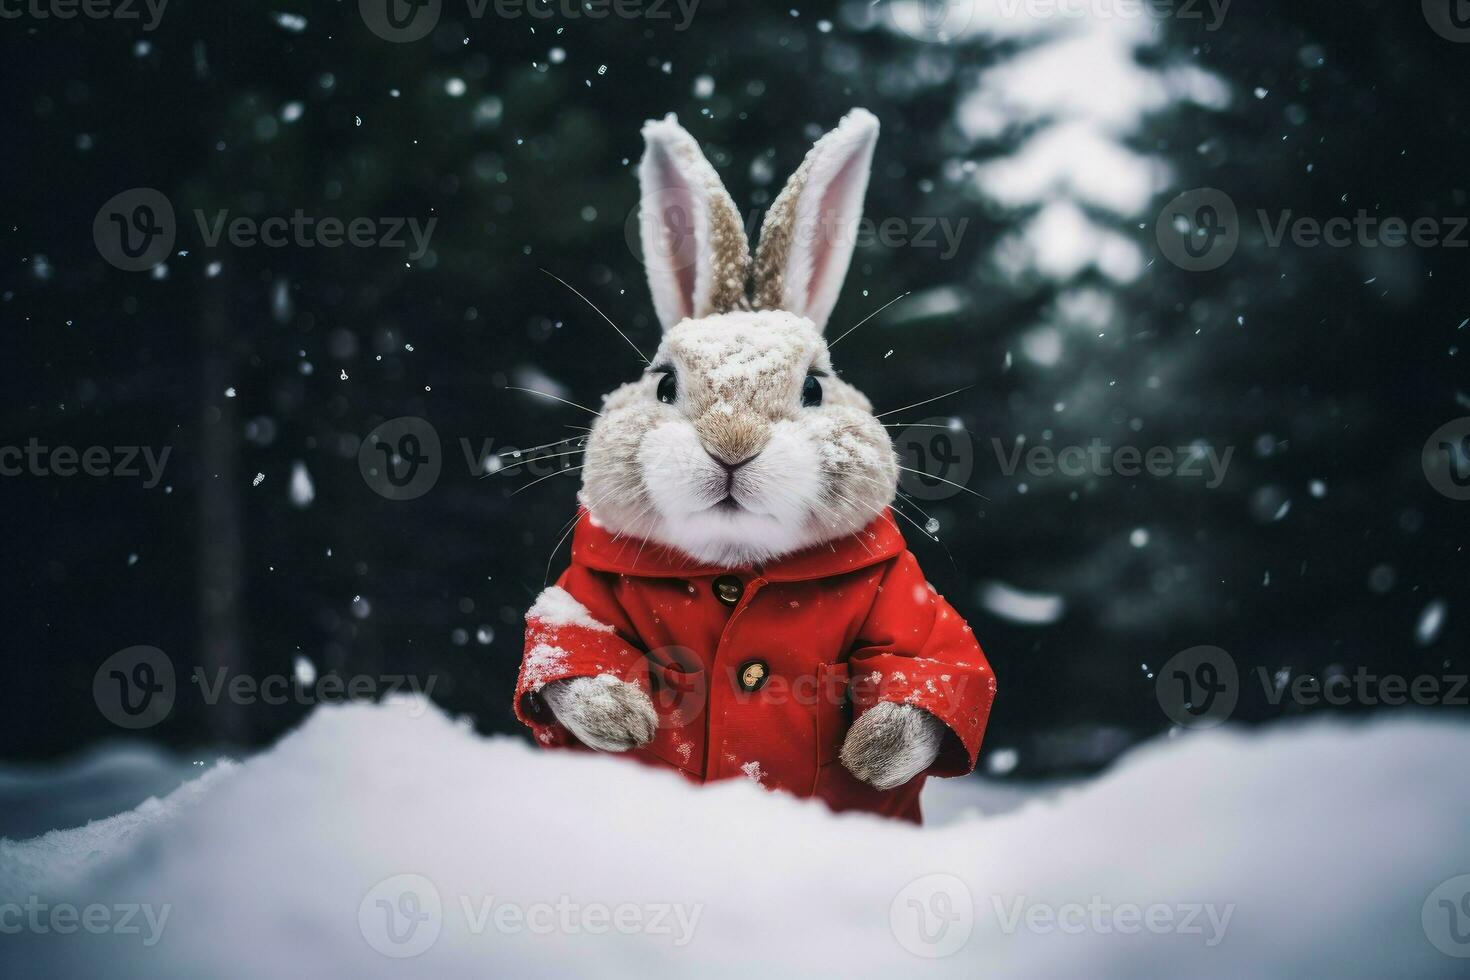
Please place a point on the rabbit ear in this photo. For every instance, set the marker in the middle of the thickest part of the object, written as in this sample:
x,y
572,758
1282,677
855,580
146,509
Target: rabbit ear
x,y
807,238
694,243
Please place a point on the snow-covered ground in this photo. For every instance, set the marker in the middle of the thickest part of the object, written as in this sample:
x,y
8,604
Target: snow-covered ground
x,y
377,831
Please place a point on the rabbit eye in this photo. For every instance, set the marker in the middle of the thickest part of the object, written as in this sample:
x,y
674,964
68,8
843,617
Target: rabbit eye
x,y
811,392
668,389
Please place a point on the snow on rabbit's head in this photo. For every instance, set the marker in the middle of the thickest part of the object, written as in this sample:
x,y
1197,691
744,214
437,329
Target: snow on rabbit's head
x,y
740,444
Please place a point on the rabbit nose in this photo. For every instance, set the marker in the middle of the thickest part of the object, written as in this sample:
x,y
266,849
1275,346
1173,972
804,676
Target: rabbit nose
x,y
732,440
730,468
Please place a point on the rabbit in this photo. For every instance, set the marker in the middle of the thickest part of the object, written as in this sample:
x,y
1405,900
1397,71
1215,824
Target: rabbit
x,y
737,479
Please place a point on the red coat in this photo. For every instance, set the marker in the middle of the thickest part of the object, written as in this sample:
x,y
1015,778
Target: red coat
x,y
760,671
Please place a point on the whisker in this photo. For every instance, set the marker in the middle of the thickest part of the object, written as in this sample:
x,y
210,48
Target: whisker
x,y
545,394
566,530
534,459
599,313
921,425
922,529
943,480
857,535
569,469
532,449
639,553
629,532
867,318
924,402
876,481
634,523
935,538
897,510
836,520
914,505
632,526
592,505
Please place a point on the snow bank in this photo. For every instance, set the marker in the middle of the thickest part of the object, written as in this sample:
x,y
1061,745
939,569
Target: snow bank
x,y
108,778
378,831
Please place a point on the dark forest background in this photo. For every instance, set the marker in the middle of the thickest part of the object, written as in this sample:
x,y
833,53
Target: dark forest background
x,y
261,367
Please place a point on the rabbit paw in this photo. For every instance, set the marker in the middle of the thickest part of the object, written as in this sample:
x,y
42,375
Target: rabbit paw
x,y
604,712
891,744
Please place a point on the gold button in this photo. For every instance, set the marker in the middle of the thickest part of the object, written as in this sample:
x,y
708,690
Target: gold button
x,y
753,674
728,589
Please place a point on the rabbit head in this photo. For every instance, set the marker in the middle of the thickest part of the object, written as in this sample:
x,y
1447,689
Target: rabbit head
x,y
740,444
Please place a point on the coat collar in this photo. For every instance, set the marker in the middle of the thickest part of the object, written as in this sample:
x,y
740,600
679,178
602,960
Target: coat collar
x,y
597,548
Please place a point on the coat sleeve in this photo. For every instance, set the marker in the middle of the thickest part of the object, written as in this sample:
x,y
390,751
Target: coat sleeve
x,y
576,628
913,648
